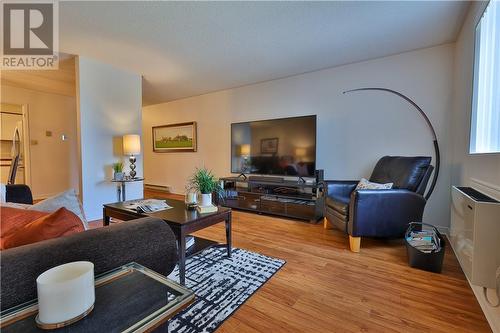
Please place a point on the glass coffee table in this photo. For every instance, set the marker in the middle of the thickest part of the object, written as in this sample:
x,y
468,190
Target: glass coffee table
x,y
131,298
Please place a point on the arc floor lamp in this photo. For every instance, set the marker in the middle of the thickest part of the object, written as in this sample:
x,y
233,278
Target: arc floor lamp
x,y
429,125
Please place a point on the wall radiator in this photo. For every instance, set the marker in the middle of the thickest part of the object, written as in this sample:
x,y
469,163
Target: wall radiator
x,y
475,235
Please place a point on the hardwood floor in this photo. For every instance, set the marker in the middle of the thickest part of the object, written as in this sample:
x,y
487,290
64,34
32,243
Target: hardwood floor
x,y
324,287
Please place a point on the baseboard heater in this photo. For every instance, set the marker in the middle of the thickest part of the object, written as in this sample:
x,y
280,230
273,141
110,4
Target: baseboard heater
x,y
159,188
475,235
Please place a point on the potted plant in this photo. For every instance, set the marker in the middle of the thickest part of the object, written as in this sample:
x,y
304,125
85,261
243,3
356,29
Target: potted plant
x,y
205,182
118,171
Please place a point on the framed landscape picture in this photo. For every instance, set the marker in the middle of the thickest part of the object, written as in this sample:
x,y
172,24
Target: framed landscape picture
x,y
269,146
175,138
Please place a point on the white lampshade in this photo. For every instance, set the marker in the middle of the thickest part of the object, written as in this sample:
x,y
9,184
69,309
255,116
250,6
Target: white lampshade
x,y
245,150
131,144
300,152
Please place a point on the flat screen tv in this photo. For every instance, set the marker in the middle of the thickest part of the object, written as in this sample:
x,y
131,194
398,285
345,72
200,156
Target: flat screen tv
x,y
284,147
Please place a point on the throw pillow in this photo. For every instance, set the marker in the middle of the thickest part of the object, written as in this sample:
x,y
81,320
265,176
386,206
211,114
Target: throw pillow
x,y
68,200
14,205
62,222
365,184
11,219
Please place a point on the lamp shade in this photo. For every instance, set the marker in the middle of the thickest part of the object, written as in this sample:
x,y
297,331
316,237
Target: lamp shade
x,y
300,152
245,150
131,144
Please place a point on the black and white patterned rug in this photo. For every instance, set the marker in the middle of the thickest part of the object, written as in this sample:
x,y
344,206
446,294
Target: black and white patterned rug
x,y
221,285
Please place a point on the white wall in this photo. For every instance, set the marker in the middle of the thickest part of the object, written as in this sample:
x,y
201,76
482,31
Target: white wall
x,y
109,106
54,163
354,130
479,170
482,167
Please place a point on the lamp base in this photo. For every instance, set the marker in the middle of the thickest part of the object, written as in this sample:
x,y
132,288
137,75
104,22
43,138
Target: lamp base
x,y
132,160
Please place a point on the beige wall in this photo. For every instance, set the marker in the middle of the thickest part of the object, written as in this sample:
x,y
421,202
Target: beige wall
x,y
479,170
54,162
354,130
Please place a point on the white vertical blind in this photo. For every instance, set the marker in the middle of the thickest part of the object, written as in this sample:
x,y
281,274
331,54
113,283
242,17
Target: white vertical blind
x,y
485,124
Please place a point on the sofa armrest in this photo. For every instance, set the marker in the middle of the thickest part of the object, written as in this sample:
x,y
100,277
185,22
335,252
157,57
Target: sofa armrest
x,y
147,241
340,188
384,213
18,193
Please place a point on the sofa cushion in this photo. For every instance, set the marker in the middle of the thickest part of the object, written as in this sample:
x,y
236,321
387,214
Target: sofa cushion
x,y
14,205
67,199
62,222
404,172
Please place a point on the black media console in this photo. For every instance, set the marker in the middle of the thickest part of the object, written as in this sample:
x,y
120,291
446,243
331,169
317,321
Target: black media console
x,y
268,195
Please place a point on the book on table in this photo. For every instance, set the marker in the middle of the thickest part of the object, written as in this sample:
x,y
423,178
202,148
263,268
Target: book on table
x,y
207,209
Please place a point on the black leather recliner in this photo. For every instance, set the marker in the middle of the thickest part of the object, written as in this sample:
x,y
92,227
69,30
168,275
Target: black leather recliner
x,y
379,213
18,193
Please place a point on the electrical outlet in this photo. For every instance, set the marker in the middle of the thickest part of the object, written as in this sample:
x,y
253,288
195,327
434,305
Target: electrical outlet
x,y
48,133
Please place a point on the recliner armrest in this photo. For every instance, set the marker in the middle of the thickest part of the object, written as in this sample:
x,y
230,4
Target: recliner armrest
x,y
147,241
384,213
340,188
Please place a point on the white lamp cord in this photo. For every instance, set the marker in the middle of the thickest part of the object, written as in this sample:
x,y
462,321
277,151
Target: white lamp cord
x,y
485,291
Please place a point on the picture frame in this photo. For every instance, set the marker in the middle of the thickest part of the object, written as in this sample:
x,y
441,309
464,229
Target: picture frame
x,y
269,146
175,138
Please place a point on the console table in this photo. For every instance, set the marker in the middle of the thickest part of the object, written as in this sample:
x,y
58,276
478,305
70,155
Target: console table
x,y
268,195
120,188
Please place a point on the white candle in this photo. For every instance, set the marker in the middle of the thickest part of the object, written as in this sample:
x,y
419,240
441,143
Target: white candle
x,y
191,197
65,292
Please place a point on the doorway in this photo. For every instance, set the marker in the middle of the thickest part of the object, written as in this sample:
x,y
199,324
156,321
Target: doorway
x,y
14,118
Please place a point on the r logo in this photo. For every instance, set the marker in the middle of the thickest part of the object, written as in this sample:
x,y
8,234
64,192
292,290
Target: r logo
x,y
28,29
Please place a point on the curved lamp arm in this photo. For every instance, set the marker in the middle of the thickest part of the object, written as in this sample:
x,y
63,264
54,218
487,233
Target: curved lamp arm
x,y
429,125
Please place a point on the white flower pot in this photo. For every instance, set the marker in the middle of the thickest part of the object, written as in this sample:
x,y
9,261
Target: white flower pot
x,y
206,199
119,175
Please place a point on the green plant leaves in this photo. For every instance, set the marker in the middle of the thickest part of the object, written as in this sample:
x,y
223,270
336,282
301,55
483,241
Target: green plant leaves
x,y
205,182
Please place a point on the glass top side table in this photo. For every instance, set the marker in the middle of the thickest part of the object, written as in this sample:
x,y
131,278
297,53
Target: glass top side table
x,y
120,188
131,298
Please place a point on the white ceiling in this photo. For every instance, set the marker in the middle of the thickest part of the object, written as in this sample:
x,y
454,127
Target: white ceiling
x,y
189,48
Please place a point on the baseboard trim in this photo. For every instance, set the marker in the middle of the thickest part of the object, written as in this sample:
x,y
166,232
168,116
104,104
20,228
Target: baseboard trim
x,y
161,188
41,197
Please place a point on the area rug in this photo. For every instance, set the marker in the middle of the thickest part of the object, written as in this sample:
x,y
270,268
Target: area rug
x,y
221,285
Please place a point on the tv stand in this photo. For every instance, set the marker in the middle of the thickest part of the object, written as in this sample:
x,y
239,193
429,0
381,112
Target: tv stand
x,y
275,196
265,179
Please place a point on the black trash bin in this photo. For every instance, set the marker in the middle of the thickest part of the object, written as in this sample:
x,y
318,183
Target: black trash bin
x,y
433,261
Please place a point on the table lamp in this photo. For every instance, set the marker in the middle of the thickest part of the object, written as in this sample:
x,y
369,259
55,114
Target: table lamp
x,y
132,147
245,153
300,152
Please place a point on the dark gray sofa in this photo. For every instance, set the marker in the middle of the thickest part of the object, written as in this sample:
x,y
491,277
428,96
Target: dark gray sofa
x,y
147,241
